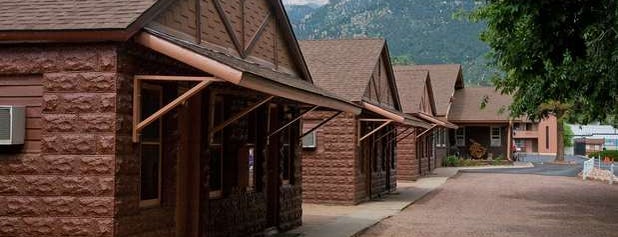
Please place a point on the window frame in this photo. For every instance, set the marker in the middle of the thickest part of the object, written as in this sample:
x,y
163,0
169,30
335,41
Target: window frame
x,y
148,203
461,136
493,139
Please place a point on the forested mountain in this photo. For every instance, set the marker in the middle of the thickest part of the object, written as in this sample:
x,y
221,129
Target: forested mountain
x,y
418,31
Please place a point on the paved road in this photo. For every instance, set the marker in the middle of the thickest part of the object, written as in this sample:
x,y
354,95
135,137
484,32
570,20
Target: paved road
x,y
543,166
476,204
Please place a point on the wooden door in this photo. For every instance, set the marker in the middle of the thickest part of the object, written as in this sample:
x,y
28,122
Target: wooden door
x,y
273,181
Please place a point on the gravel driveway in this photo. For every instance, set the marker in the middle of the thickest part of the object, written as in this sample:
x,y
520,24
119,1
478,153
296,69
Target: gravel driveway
x,y
477,205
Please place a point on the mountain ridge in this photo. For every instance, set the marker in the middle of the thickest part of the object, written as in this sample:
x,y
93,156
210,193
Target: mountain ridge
x,y
417,31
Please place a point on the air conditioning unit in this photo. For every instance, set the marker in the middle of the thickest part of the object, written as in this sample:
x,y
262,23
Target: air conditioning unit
x,y
309,141
12,125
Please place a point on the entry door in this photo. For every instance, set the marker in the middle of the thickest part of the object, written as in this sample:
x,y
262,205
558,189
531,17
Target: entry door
x,y
273,181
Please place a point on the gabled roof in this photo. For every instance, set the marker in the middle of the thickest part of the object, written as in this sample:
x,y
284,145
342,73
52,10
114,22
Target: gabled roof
x,y
411,85
344,66
445,79
467,105
70,14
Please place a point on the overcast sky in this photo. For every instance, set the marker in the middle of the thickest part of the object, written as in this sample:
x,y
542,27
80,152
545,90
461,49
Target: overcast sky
x,y
301,2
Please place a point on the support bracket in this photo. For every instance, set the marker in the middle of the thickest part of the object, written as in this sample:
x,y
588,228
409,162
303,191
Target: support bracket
x,y
426,131
240,114
387,122
139,125
293,121
320,124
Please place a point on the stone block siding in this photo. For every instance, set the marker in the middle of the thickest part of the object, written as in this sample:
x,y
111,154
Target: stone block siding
x,y
407,162
291,197
62,182
331,171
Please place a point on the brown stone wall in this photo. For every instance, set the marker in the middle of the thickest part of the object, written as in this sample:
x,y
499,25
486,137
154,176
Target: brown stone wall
x,y
62,182
331,172
407,162
291,197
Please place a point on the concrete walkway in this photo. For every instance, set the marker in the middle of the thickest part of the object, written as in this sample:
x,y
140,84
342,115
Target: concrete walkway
x,y
346,221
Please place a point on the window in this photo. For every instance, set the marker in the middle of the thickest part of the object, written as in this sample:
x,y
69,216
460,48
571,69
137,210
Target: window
x,y
215,179
460,137
150,148
287,144
441,137
496,137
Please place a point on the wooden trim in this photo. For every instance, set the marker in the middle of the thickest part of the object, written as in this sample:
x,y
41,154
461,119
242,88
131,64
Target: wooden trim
x,y
383,112
175,78
426,131
240,115
258,34
374,131
229,28
299,95
374,120
293,121
189,57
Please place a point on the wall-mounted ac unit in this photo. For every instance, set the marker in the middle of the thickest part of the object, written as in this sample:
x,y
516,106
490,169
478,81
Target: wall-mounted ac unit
x,y
309,141
12,125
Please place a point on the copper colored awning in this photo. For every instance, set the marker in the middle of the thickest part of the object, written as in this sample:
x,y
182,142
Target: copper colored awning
x,y
436,121
193,55
395,116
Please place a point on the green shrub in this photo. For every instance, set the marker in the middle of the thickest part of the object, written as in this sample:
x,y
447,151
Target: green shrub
x,y
612,154
451,161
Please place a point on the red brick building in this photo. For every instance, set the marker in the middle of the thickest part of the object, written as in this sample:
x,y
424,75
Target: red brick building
x,y
352,158
153,118
416,147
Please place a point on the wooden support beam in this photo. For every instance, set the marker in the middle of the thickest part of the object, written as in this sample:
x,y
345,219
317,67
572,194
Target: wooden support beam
x,y
406,136
320,124
157,115
174,78
386,134
137,107
426,131
374,120
293,121
240,114
374,131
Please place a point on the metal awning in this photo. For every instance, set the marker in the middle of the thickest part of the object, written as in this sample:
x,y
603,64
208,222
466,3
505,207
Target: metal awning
x,y
395,116
301,92
434,120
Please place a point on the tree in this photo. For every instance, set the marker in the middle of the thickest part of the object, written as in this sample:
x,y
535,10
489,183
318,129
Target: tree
x,y
568,136
557,57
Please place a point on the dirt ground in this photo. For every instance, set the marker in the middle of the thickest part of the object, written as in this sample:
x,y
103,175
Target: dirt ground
x,y
478,205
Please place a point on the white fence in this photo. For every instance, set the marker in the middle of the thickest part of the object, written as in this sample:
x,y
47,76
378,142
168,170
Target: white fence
x,y
588,166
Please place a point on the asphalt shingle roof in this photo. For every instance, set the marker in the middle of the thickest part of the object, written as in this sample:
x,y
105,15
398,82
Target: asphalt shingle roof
x,y
343,67
467,105
443,82
21,15
411,85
